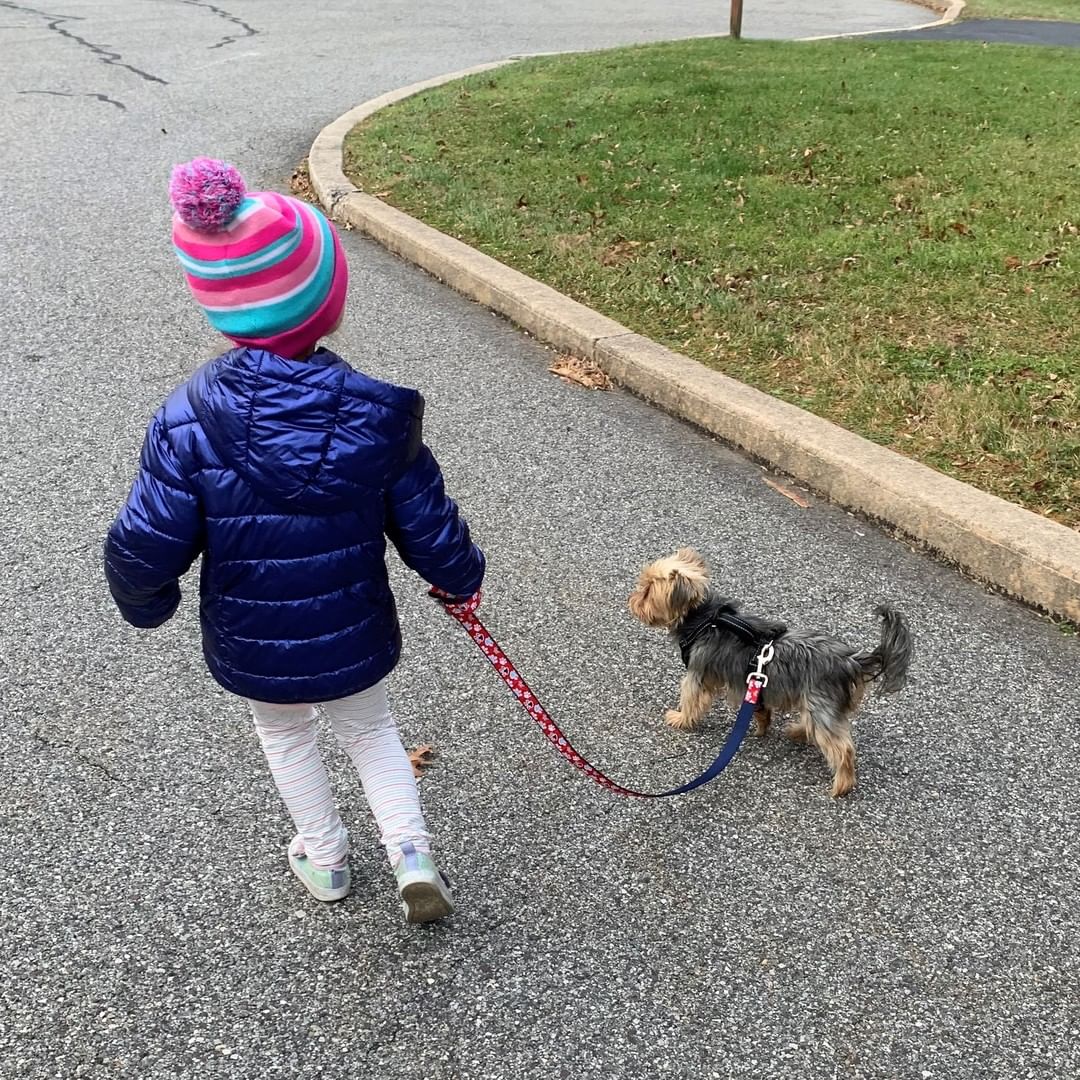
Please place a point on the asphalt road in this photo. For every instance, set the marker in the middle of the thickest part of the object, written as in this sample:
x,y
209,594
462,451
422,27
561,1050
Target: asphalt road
x,y
925,927
1004,32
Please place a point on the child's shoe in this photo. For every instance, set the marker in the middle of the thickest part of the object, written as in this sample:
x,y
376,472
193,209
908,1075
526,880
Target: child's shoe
x,y
424,894
331,884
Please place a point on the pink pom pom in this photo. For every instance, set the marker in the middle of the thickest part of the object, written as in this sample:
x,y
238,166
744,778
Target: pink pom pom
x,y
206,193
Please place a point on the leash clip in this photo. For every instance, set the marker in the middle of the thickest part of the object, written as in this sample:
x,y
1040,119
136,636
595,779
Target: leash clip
x,y
759,677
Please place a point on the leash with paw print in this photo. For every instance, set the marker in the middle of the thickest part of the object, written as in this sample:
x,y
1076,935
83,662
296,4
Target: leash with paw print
x,y
464,611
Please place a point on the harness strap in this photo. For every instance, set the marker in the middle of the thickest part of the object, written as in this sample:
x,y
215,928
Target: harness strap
x,y
465,613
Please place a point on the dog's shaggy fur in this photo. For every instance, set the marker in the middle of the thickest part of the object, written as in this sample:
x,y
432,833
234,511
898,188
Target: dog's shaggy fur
x,y
813,675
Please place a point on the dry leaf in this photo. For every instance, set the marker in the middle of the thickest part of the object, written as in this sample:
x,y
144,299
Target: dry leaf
x,y
1051,258
300,183
794,496
619,252
1013,263
583,372
421,758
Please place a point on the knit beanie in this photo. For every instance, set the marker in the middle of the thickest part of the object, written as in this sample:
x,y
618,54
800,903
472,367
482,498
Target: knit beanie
x,y
267,269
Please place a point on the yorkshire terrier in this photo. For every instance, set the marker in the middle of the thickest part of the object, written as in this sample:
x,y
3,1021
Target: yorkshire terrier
x,y
814,675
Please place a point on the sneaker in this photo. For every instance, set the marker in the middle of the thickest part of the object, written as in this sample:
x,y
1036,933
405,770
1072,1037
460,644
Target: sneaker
x,y
424,891
331,884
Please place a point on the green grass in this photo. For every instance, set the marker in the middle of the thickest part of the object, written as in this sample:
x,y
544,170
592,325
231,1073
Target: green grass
x,y
1067,10
881,233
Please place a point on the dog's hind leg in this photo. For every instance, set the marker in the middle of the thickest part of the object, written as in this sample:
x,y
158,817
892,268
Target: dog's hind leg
x,y
694,702
831,731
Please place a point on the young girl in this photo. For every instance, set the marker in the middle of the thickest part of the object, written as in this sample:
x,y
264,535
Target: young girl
x,y
286,469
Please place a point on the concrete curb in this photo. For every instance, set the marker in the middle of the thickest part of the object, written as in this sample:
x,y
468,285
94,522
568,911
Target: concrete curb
x,y
950,12
1030,557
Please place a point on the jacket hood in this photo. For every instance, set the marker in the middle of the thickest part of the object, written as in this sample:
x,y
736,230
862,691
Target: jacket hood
x,y
308,434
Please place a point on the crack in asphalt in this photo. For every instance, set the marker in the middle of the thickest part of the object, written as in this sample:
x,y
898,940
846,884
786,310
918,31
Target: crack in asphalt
x,y
102,52
59,744
228,16
63,93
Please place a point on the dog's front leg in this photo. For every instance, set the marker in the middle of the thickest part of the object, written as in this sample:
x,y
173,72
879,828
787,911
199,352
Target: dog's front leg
x,y
694,702
762,720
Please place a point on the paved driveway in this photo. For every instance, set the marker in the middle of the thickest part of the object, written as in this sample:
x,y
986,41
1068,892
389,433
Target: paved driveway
x,y
925,927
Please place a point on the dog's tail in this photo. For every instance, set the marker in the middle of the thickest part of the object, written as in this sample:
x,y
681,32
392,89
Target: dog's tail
x,y
888,664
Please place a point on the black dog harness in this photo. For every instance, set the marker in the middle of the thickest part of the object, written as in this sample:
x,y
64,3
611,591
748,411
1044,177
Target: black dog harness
x,y
717,615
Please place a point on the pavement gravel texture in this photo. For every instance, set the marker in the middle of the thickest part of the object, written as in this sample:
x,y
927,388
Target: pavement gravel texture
x,y
925,927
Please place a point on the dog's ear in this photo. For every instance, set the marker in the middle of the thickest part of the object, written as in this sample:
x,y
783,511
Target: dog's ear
x,y
689,557
689,580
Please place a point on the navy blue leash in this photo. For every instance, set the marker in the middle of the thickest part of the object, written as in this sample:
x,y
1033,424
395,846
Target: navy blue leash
x,y
465,613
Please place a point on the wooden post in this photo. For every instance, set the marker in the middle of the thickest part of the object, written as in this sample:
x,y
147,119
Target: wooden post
x,y
736,18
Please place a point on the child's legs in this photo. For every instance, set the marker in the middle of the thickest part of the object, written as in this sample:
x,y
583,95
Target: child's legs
x,y
288,734
366,731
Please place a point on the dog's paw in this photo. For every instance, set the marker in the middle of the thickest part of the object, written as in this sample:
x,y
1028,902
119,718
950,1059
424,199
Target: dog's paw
x,y
678,721
843,782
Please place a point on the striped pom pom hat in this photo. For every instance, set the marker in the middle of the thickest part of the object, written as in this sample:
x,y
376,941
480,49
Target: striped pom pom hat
x,y
267,269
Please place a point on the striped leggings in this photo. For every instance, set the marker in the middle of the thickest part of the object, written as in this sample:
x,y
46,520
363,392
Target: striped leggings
x,y
366,731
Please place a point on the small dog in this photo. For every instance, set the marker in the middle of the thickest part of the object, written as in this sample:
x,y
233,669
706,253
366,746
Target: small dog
x,y
813,674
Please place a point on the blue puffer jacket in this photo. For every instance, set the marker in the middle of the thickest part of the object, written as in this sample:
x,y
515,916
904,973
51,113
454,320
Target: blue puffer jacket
x,y
287,475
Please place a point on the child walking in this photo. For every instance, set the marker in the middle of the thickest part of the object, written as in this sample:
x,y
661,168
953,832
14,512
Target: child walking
x,y
286,469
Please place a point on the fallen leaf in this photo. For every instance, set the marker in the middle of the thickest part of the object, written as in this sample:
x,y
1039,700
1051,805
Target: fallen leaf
x,y
619,252
1013,263
732,282
794,496
300,183
1051,258
421,758
583,372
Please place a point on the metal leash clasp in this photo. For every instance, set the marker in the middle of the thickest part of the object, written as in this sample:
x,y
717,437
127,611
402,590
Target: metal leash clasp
x,y
763,658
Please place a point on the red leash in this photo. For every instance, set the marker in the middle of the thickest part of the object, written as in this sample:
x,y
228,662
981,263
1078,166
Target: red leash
x,y
464,611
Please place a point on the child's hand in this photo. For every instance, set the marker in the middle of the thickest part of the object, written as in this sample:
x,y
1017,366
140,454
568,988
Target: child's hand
x,y
472,602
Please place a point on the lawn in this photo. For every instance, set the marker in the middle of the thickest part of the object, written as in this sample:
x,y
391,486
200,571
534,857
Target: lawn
x,y
1067,10
883,233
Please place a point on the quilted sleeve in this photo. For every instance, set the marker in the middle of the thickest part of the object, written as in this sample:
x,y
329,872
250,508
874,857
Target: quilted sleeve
x,y
155,537
432,538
